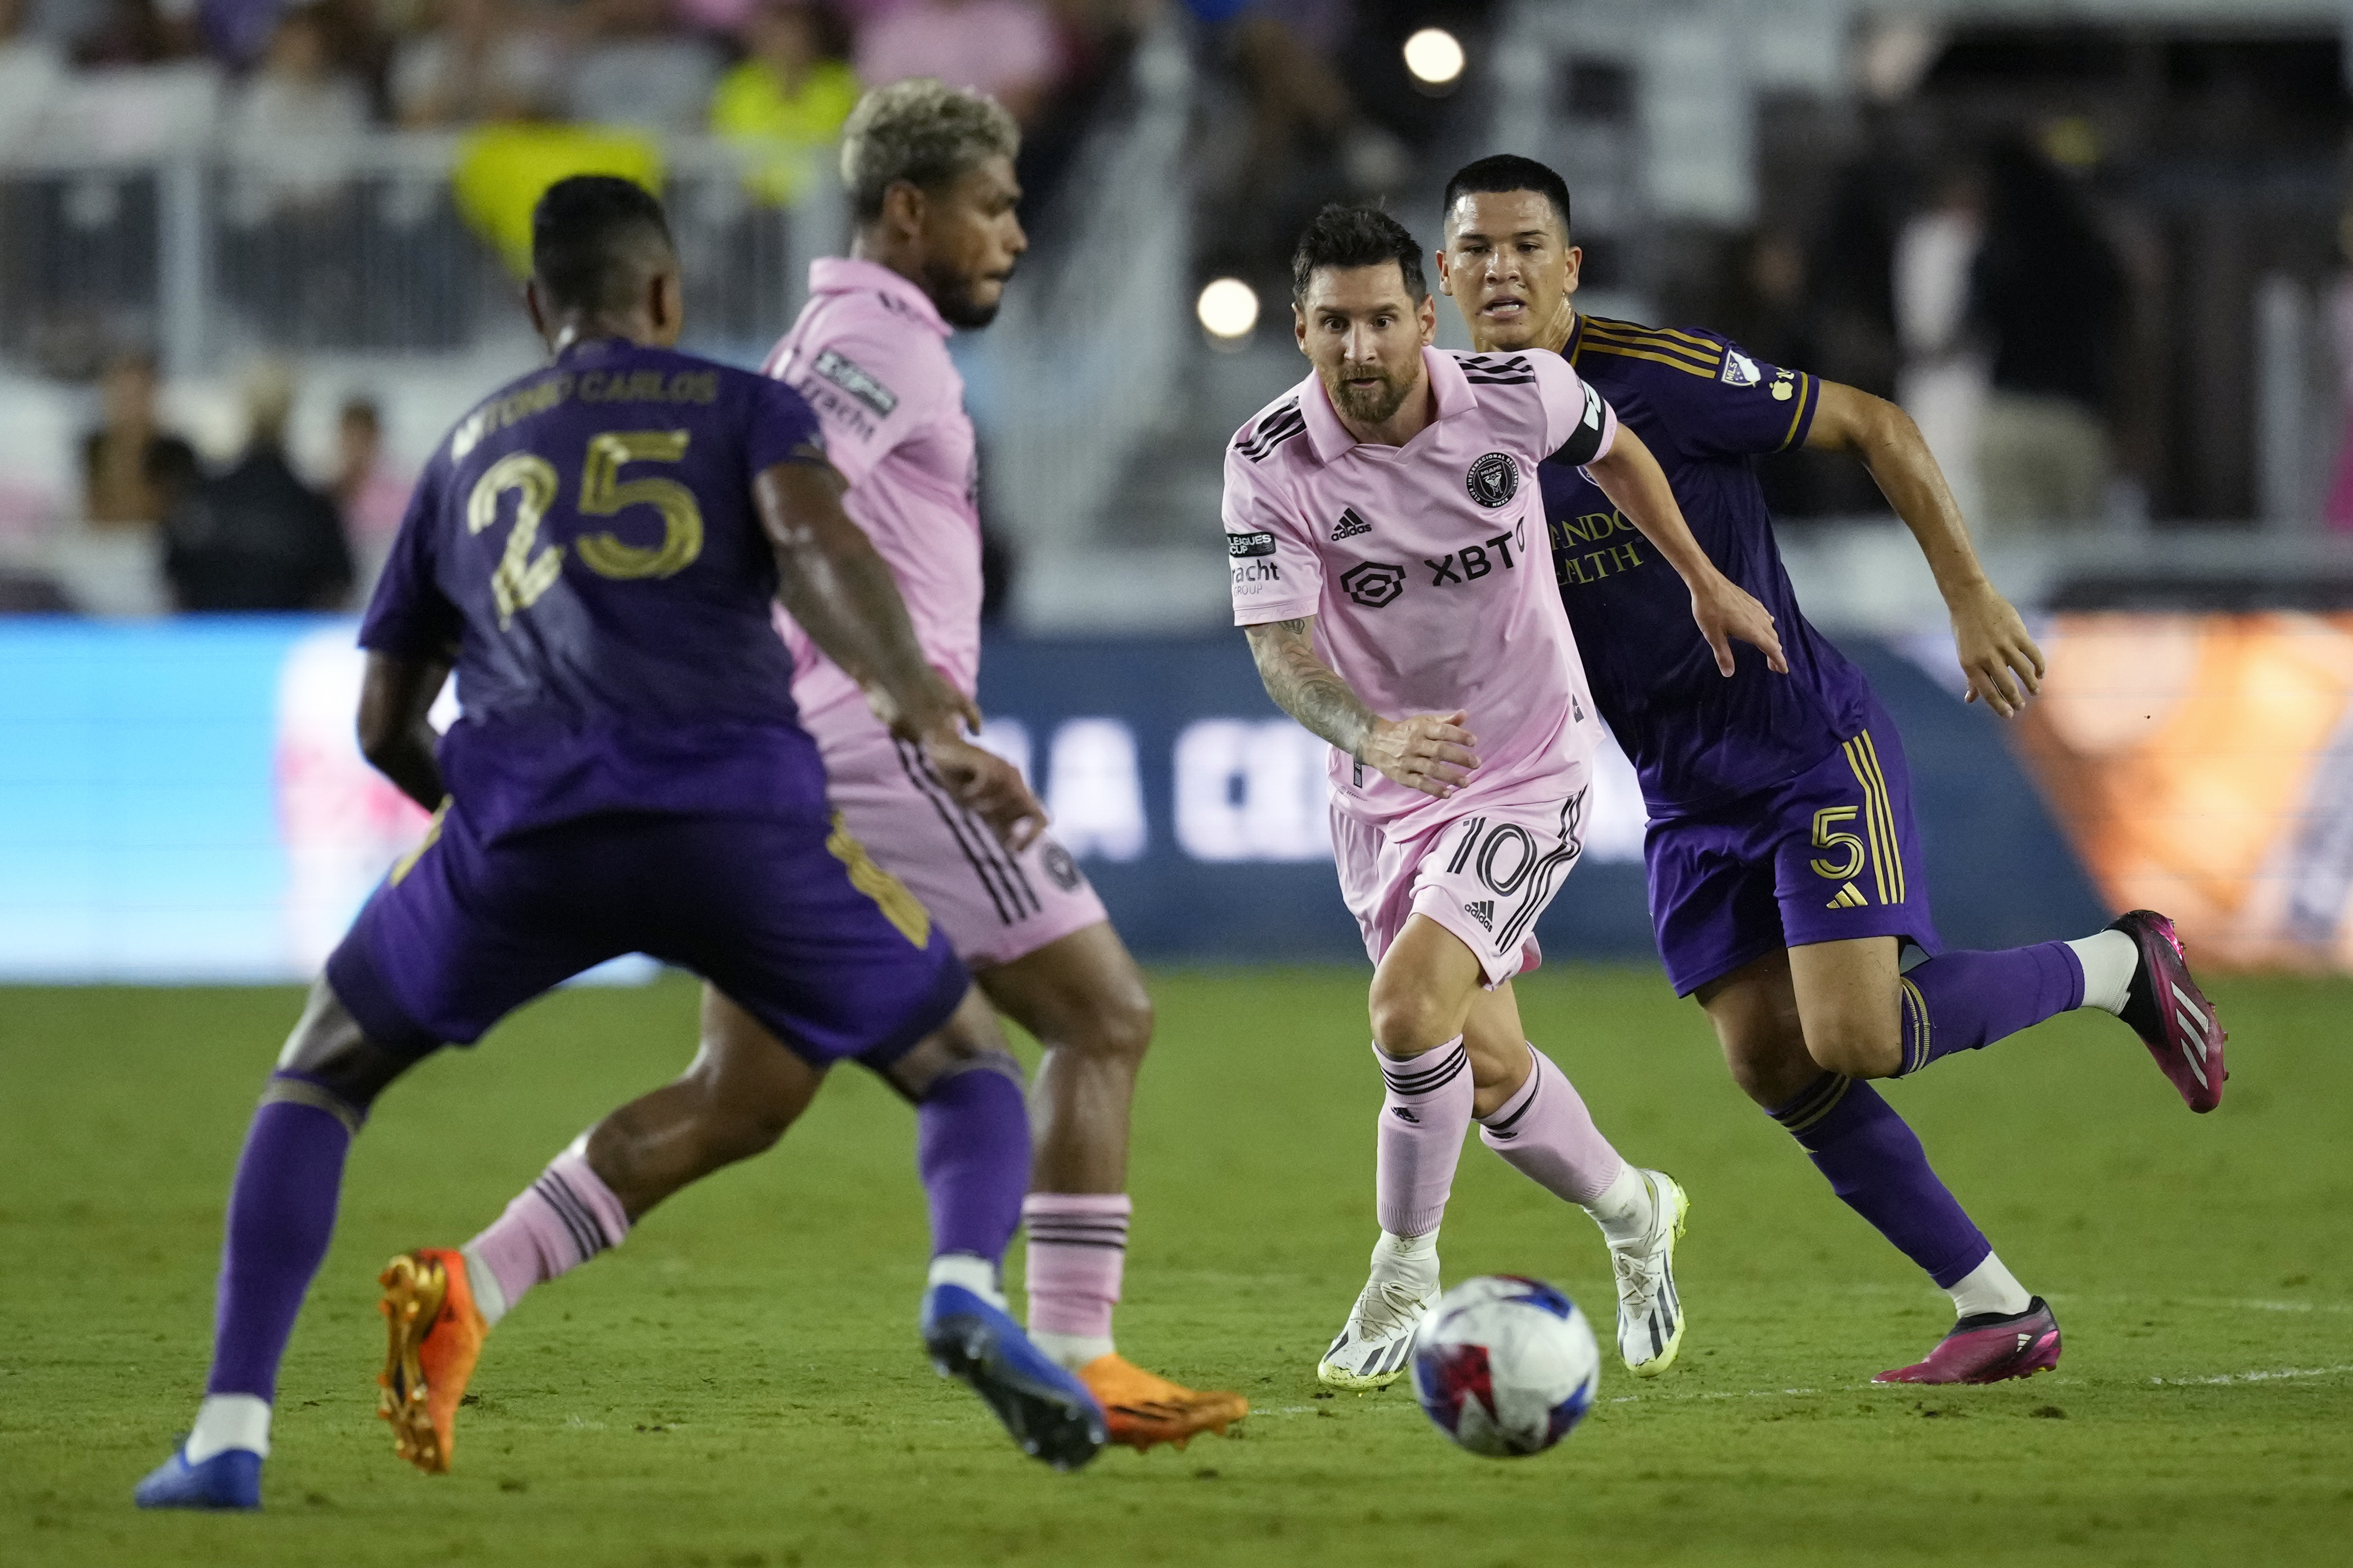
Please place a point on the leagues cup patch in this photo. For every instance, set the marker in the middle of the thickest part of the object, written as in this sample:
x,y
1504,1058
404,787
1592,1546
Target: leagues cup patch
x,y
857,381
1241,545
1493,480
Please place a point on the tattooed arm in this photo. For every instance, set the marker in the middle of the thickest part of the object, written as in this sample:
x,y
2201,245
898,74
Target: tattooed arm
x,y
1428,752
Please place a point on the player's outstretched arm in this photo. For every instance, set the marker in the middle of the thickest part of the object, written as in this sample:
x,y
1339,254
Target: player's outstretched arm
x,y
396,695
1630,476
1429,752
834,583
2003,666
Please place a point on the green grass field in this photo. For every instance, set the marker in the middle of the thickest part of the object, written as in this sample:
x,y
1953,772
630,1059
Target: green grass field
x,y
741,1385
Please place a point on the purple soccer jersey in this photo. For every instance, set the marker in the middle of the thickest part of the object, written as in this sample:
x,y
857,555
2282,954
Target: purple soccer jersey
x,y
583,546
1704,409
629,773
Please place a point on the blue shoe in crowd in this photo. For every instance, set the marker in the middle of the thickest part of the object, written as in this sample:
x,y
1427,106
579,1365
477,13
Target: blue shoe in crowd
x,y
230,1479
1048,1410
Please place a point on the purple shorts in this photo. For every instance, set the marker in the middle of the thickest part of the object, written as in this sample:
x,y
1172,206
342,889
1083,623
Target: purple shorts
x,y
786,915
1829,855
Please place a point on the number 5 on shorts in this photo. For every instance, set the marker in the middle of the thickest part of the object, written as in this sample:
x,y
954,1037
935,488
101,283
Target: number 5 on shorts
x,y
1827,837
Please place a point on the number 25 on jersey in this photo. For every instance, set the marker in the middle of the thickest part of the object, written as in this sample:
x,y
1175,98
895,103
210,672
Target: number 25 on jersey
x,y
522,576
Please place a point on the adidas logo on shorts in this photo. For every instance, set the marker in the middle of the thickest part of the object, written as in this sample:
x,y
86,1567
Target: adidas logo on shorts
x,y
1484,911
1350,525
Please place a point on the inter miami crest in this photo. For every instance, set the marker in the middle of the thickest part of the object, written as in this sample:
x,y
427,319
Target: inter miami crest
x,y
1493,480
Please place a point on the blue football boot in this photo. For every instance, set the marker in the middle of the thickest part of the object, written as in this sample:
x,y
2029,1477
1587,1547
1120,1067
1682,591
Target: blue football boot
x,y
230,1479
1048,1410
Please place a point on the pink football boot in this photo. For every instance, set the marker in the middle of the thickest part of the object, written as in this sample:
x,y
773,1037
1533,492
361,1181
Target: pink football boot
x,y
1990,1349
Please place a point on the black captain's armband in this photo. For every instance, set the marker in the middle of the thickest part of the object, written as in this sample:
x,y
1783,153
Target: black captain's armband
x,y
1584,443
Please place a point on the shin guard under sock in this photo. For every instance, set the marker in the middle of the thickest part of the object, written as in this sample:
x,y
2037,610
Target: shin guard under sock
x,y
1424,1115
282,1215
1876,1165
972,1148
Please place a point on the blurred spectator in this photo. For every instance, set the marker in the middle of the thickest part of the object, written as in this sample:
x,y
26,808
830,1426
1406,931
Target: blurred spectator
x,y
134,33
32,69
634,68
371,498
1942,383
361,49
2338,508
258,537
1007,48
784,105
300,97
235,32
133,470
481,62
2048,292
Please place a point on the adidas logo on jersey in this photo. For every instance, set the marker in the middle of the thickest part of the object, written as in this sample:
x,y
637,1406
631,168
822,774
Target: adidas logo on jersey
x,y
1849,897
1484,911
1349,526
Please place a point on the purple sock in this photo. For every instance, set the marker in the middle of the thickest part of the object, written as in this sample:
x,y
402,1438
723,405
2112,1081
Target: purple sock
x,y
1878,1167
1967,1001
972,1146
281,1212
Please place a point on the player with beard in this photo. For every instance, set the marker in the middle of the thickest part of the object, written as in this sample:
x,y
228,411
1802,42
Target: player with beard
x,y
929,172
597,550
1384,535
1783,859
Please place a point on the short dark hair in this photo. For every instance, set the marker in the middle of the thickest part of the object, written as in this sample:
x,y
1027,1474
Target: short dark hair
x,y
590,235
1356,237
1509,171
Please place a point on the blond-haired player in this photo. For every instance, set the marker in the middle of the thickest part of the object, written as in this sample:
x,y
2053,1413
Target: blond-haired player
x,y
929,171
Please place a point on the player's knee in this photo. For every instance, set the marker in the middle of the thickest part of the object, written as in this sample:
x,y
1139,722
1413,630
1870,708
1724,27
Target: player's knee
x,y
1856,1047
1118,1026
342,1069
1408,1022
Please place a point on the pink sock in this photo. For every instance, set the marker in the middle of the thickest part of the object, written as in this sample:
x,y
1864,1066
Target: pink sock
x,y
1546,1132
1078,1247
1423,1118
560,1222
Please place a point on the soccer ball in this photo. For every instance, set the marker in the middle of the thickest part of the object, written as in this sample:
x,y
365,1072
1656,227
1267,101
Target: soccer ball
x,y
1506,1365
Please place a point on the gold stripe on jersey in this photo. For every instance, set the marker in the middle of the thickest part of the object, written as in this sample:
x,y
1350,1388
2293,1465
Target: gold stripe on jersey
x,y
1651,349
1685,365
1628,335
1643,338
1611,324
1796,415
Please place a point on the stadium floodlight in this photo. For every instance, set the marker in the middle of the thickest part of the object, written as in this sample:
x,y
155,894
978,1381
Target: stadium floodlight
x,y
1228,308
1435,56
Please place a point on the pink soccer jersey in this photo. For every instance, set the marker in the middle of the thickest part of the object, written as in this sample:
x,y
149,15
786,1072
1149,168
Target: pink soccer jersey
x,y
1428,570
869,353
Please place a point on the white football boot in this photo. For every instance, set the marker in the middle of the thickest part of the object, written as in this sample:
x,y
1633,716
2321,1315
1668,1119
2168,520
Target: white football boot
x,y
1649,1313
1373,1346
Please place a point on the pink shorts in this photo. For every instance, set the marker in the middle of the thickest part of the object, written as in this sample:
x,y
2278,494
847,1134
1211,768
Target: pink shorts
x,y
995,905
1485,876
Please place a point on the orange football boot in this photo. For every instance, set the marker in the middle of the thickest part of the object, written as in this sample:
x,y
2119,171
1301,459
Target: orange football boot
x,y
436,1336
1143,1409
